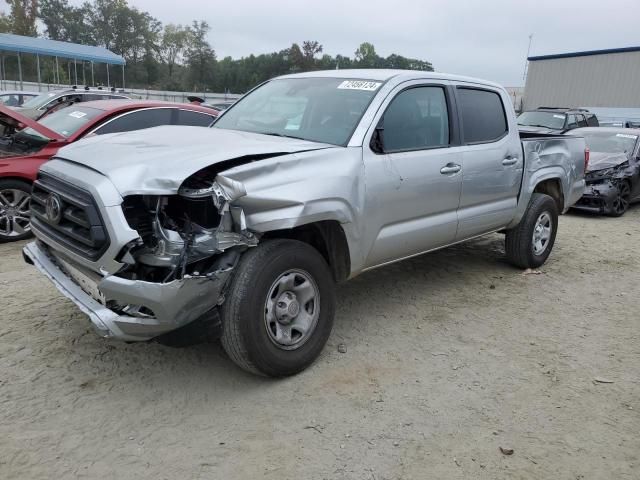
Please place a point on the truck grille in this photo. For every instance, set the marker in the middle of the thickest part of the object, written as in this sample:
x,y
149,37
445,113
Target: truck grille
x,y
68,215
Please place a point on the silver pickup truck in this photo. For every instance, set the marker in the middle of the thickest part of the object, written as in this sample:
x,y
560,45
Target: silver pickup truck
x,y
245,228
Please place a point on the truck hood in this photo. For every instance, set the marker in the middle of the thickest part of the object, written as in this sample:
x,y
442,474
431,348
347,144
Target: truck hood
x,y
602,160
11,117
156,161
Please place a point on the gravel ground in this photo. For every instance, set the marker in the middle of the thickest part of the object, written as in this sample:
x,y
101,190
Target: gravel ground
x,y
449,357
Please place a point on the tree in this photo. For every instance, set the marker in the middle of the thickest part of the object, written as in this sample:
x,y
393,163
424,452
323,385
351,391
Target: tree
x,y
295,57
5,23
175,39
310,48
54,15
66,22
200,57
23,16
366,55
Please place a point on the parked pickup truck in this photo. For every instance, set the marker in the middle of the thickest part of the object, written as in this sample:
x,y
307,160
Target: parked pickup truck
x,y
310,179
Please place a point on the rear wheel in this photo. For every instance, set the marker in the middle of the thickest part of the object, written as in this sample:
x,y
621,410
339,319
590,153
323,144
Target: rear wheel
x,y
621,202
15,216
279,309
529,244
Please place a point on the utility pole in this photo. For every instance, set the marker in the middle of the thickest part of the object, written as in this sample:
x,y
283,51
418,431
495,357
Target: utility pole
x,y
526,62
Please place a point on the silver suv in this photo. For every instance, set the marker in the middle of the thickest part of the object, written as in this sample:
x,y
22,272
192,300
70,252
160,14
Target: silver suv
x,y
56,99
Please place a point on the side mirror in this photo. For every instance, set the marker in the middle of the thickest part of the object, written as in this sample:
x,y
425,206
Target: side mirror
x,y
377,139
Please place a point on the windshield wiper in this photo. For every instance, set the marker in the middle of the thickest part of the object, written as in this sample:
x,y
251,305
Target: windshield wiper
x,y
276,134
539,126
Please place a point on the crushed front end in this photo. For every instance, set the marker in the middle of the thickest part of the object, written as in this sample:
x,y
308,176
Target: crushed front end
x,y
142,267
607,190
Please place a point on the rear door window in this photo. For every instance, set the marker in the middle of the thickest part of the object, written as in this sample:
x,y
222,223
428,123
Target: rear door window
x,y
582,121
483,115
147,118
194,119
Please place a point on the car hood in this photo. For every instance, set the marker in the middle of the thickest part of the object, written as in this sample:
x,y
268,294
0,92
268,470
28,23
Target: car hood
x,y
602,160
156,161
11,117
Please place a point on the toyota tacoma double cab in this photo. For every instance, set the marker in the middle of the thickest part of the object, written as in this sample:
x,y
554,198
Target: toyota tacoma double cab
x,y
310,179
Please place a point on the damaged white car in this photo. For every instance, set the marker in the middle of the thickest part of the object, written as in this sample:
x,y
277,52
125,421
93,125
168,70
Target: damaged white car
x,y
244,229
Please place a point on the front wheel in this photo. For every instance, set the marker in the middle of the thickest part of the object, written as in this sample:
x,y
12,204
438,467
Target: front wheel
x,y
529,244
279,308
620,204
15,217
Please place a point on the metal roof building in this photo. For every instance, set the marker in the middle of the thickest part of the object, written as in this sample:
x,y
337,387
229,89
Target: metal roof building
x,y
55,48
19,45
598,78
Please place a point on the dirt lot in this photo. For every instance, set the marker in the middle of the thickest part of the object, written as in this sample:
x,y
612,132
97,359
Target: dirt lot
x,y
449,357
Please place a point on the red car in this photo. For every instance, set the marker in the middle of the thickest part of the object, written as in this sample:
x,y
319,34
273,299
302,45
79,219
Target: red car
x,y
27,144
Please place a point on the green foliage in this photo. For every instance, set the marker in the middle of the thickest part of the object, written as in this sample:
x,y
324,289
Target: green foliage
x,y
200,58
23,16
5,23
174,57
366,56
175,39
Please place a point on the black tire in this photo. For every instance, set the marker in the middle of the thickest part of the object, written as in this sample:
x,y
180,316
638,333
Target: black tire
x,y
519,244
8,185
623,199
245,337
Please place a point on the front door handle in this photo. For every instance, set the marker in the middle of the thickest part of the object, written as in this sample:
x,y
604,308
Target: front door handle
x,y
510,161
450,168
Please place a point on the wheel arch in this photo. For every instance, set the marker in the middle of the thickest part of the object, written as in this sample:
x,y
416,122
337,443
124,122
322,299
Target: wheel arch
x,y
18,178
328,238
553,188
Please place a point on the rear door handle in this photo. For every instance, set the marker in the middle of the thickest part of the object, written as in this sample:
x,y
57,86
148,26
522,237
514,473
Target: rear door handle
x,y
510,161
450,168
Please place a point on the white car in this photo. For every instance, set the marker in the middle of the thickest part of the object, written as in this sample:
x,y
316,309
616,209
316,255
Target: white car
x,y
15,98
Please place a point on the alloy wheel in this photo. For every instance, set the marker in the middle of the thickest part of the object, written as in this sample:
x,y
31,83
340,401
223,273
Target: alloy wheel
x,y
15,217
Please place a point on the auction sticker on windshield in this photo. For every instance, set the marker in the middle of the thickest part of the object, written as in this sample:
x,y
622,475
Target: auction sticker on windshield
x,y
77,114
625,135
559,116
359,85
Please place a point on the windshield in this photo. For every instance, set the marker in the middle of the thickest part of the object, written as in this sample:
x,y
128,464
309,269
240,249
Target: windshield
x,y
542,119
40,100
608,142
323,110
65,121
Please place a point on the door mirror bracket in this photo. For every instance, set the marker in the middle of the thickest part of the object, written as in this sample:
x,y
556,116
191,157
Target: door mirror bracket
x,y
377,139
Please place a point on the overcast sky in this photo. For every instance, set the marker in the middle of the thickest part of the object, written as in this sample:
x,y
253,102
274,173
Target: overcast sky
x,y
486,39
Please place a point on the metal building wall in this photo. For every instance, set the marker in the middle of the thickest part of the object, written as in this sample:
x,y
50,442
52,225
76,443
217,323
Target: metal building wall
x,y
608,80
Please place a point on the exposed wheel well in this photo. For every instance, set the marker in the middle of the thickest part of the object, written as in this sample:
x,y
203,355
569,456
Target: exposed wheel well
x,y
19,179
553,188
328,238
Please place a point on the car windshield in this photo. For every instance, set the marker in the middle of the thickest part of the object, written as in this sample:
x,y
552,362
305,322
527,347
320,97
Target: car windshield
x,y
542,119
10,99
323,110
40,100
610,142
66,121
